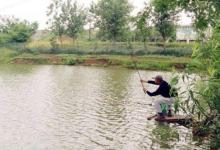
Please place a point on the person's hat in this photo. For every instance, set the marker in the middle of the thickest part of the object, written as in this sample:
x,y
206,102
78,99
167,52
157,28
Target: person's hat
x,y
158,77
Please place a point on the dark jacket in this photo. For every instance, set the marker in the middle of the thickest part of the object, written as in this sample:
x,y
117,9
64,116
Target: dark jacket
x,y
163,90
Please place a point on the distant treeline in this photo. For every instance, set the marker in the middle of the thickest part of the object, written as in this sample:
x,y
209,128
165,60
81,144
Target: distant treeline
x,y
110,20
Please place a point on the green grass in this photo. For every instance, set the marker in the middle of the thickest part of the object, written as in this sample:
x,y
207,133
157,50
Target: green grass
x,y
143,62
177,55
107,48
6,55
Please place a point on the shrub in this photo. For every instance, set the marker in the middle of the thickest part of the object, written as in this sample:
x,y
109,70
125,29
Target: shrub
x,y
69,61
14,30
7,54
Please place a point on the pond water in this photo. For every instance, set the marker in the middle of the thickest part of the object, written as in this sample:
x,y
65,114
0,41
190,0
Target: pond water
x,y
79,108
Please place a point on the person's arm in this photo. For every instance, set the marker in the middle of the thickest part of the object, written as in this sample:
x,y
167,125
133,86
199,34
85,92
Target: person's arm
x,y
144,81
151,82
156,93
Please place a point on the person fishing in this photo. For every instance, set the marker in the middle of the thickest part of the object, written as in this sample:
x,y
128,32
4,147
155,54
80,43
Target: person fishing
x,y
164,90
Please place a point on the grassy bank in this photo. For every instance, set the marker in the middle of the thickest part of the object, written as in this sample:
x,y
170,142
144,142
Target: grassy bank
x,y
98,53
143,62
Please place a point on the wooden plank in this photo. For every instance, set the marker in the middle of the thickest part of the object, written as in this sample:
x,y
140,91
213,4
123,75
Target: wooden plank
x,y
151,117
174,119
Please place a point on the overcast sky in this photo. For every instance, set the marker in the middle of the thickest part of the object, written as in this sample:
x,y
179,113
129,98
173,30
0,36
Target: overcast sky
x,y
35,10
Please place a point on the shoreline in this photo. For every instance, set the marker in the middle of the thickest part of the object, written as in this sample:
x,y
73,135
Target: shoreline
x,y
163,63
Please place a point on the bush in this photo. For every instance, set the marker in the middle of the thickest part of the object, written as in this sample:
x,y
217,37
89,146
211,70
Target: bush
x,y
4,38
7,54
14,30
69,61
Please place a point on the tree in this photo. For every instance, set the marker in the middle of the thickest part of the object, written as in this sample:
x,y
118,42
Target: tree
x,y
112,19
143,24
74,18
163,18
204,95
17,31
90,21
205,13
67,18
55,21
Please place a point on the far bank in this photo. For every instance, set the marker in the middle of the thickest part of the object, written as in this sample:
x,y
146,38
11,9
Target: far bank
x,y
165,63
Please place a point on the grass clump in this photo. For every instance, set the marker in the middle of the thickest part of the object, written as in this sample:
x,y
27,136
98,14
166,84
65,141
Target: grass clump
x,y
69,61
7,55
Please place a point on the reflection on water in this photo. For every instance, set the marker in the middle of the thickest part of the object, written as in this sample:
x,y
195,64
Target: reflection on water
x,y
62,107
164,134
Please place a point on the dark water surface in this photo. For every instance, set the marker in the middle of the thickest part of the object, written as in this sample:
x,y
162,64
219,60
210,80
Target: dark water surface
x,y
81,108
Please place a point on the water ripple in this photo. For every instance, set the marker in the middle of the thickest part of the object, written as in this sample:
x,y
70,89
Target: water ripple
x,y
80,108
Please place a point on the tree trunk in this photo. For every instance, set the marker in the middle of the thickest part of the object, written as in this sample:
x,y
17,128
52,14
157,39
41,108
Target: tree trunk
x,y
77,45
74,43
61,39
145,44
114,43
90,32
164,44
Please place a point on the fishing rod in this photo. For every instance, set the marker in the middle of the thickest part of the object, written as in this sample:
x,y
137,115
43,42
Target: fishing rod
x,y
139,74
